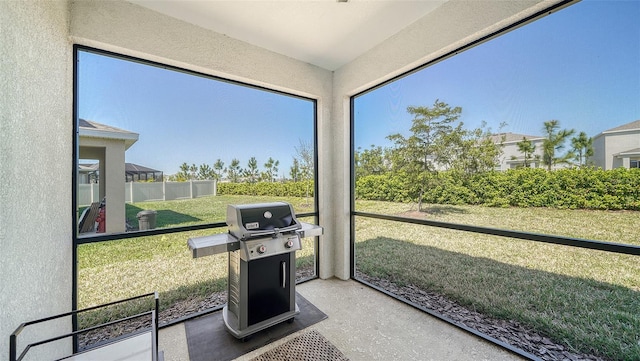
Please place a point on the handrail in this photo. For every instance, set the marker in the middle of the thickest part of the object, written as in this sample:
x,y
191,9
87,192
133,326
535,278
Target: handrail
x,y
13,337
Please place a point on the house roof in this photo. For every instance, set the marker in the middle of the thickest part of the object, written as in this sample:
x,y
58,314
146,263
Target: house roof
x,y
135,168
88,167
512,137
630,152
128,168
635,125
91,129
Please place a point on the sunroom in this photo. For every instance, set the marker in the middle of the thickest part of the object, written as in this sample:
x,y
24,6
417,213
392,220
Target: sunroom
x,y
370,273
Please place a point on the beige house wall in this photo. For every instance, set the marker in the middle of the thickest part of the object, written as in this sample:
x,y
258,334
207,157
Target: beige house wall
x,y
36,137
510,150
111,155
607,145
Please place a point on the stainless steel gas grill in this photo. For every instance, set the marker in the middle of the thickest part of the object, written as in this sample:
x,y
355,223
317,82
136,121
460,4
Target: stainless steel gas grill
x,y
261,242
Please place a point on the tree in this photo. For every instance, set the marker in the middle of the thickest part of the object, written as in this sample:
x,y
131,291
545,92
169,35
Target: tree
x,y
270,170
582,148
186,172
473,151
554,143
294,171
193,169
527,148
420,154
251,172
306,163
234,171
219,169
183,174
370,161
205,172
305,156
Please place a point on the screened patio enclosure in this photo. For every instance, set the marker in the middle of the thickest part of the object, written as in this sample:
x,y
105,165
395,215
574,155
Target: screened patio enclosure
x,y
39,114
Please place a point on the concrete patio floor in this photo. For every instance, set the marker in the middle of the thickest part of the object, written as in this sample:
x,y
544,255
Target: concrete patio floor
x,y
367,325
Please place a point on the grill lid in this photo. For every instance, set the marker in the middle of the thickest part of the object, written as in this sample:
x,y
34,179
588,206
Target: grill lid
x,y
255,220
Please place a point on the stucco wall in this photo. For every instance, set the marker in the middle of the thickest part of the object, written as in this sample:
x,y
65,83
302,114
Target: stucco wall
x,y
598,157
613,143
35,167
510,150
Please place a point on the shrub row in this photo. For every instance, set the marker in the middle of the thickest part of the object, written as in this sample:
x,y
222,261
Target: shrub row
x,y
288,189
578,188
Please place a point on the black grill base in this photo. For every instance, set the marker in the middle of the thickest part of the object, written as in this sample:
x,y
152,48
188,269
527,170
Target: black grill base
x,y
256,296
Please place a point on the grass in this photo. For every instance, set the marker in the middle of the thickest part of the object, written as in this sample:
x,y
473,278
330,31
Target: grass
x,y
114,270
589,300
186,212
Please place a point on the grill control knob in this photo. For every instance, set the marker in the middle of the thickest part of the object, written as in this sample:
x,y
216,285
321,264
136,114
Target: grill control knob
x,y
289,244
262,249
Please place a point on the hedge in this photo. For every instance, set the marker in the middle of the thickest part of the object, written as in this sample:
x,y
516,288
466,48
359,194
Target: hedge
x,y
288,189
576,188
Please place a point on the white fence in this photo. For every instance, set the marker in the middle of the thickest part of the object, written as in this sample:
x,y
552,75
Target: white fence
x,y
151,191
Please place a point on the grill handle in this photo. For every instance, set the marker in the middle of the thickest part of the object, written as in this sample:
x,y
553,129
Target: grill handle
x,y
284,274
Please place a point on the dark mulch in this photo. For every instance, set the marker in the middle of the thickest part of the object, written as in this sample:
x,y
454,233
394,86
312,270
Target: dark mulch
x,y
507,331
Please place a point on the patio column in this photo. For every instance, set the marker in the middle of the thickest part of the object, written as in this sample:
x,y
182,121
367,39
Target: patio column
x,y
626,162
114,187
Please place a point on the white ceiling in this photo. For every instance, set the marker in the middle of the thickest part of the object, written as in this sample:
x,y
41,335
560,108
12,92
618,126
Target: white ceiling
x,y
325,33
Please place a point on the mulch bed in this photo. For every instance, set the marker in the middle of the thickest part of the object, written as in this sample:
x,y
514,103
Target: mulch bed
x,y
507,331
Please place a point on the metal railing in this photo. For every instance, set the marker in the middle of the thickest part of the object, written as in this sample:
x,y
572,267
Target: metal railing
x,y
153,314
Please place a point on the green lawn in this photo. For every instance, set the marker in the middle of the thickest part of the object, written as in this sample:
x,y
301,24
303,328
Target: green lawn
x,y
114,270
588,300
187,212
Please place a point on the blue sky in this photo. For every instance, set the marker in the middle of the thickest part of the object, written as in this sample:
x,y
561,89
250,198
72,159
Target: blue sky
x,y
580,66
186,118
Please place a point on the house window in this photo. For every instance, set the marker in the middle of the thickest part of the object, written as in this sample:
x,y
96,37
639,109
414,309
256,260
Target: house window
x,y
634,163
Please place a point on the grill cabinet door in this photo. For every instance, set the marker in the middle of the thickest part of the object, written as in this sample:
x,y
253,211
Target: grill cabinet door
x,y
266,296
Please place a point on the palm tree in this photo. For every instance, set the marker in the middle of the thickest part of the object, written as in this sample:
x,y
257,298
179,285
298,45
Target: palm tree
x,y
554,142
527,148
583,148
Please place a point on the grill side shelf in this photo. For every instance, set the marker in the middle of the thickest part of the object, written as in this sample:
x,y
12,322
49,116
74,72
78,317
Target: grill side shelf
x,y
210,245
310,230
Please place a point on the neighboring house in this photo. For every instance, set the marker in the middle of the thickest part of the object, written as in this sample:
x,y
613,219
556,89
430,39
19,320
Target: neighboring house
x,y
135,172
617,147
107,145
88,173
511,156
